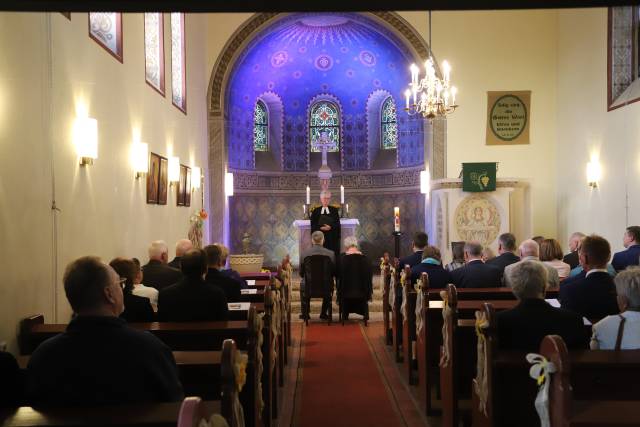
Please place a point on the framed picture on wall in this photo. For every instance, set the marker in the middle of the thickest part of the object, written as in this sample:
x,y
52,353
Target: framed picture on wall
x,y
153,178
163,181
187,198
182,186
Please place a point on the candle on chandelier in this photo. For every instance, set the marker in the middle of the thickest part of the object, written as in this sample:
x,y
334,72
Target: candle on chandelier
x,y
454,90
415,94
308,195
414,73
396,219
407,95
342,194
446,68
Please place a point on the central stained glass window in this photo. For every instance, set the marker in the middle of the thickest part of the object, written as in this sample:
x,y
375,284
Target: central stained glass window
x,y
324,118
389,125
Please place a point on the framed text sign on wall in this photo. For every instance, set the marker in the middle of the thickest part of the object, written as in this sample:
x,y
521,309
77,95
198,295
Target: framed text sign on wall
x,y
508,117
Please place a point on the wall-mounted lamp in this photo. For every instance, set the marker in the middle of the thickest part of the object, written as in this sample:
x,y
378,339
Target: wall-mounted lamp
x,y
594,173
196,177
85,138
140,154
174,169
228,184
425,182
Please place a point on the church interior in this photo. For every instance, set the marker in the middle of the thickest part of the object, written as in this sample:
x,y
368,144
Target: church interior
x,y
124,133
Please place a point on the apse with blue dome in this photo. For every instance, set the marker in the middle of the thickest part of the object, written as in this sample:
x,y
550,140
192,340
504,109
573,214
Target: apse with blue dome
x,y
332,62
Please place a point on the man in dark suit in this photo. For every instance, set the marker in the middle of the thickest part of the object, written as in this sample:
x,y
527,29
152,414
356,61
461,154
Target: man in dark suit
x,y
192,299
182,246
100,360
420,241
506,251
475,273
630,256
431,264
572,257
231,287
157,273
12,384
317,248
594,294
326,218
523,327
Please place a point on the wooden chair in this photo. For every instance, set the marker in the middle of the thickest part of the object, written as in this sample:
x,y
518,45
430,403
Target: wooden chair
x,y
355,286
318,282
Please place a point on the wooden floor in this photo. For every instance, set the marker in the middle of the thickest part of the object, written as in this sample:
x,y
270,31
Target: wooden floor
x,y
402,396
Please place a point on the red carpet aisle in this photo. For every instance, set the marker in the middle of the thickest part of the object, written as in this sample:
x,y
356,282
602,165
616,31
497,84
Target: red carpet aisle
x,y
341,384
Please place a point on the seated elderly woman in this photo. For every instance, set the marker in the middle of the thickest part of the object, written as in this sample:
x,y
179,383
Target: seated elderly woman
x,y
355,284
622,331
524,326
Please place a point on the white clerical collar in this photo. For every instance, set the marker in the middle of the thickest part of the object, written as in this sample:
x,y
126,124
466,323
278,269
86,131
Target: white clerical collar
x,y
596,270
325,210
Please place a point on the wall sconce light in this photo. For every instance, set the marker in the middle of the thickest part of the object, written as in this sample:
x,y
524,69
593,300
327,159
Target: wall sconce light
x,y
228,184
85,138
174,169
425,182
196,178
140,155
594,173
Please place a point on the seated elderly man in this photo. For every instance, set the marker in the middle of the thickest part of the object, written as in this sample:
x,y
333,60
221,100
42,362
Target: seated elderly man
x,y
182,246
524,326
592,295
530,251
317,248
157,272
229,272
192,299
230,287
432,265
475,273
622,331
99,360
355,284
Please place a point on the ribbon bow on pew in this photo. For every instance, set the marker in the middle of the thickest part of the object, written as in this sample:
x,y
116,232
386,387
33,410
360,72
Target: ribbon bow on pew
x,y
540,371
445,357
480,382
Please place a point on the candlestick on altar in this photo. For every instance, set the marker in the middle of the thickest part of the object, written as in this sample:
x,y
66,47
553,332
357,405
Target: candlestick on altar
x,y
342,194
308,195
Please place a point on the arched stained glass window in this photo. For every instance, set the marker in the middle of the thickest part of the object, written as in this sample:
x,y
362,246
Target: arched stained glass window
x,y
324,117
260,127
389,125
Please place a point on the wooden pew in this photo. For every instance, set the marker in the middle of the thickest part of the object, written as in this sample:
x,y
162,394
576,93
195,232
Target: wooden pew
x,y
430,336
396,315
408,326
594,375
386,306
157,414
481,294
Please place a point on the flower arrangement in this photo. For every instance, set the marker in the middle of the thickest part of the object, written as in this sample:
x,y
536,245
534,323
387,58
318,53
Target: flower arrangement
x,y
195,230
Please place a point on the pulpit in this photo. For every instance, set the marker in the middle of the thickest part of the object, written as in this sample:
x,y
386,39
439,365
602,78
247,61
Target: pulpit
x,y
456,215
347,228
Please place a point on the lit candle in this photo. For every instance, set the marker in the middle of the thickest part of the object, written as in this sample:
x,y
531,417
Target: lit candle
x,y
446,68
407,95
304,209
347,206
342,194
308,195
396,219
414,73
454,90
415,94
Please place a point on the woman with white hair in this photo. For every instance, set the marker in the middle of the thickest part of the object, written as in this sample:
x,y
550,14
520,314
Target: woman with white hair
x,y
355,281
621,331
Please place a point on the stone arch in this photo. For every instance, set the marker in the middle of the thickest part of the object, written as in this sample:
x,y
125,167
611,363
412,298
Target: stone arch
x,y
217,156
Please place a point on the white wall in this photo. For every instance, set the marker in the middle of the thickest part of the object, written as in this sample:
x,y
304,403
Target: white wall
x,y
103,208
493,51
585,128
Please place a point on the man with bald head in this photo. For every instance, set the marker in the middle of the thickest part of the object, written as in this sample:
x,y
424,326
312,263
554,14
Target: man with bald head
x,y
530,251
475,273
182,246
326,218
99,359
572,257
157,273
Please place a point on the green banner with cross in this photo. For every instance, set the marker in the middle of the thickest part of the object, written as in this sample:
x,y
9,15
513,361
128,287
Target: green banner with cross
x,y
478,177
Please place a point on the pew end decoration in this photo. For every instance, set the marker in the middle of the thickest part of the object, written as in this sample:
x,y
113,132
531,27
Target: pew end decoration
x,y
485,324
193,414
554,357
195,229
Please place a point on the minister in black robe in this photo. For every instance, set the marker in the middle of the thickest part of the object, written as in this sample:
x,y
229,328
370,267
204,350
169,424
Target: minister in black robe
x,y
327,219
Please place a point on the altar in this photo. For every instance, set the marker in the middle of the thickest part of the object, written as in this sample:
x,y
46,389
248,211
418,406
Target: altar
x,y
347,228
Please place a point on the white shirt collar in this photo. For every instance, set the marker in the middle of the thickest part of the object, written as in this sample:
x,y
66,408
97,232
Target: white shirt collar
x,y
596,270
325,209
